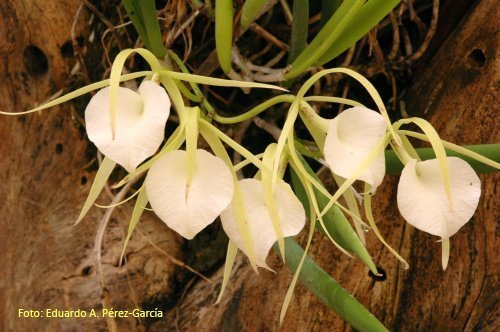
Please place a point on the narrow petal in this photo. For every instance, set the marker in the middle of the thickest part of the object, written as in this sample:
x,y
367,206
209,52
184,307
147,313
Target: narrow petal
x,y
260,225
140,123
422,198
352,136
189,210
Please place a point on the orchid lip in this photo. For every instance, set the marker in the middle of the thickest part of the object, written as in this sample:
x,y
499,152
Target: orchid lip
x,y
140,123
260,225
423,202
352,136
188,208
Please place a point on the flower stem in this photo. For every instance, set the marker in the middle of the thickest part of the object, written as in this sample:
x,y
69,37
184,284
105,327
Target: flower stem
x,y
254,111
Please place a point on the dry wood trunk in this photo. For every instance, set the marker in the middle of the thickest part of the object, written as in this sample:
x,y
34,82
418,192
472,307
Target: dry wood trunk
x,y
46,262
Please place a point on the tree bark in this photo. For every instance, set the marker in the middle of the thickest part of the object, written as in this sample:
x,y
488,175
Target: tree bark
x,y
458,92
46,262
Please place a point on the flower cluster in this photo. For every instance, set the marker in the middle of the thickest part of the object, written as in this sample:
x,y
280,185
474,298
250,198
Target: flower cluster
x,y
189,188
423,198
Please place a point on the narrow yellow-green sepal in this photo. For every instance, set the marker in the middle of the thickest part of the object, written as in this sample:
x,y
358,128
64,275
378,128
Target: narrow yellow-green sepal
x,y
80,92
445,253
269,195
210,134
286,133
291,288
473,153
232,250
437,146
192,116
363,81
140,204
373,225
116,71
192,78
101,177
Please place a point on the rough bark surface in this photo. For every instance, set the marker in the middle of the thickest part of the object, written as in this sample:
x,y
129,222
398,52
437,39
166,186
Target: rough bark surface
x,y
458,93
46,262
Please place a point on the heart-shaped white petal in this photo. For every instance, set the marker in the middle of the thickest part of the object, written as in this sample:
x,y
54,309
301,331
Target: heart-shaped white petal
x,y
140,123
290,210
422,199
189,210
352,136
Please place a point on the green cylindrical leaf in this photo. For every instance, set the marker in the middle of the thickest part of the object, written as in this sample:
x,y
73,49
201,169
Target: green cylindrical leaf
x,y
224,32
366,18
300,26
335,222
491,151
136,19
329,291
142,13
148,12
250,10
328,7
325,38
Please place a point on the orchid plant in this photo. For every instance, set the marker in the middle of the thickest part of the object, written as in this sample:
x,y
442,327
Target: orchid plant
x,y
189,188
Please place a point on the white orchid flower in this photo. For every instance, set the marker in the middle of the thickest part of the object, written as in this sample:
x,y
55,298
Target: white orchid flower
x,y
352,136
423,202
188,206
140,123
262,233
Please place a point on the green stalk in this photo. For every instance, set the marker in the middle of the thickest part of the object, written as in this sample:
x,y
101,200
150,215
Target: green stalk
x,y
254,111
325,288
300,26
196,89
491,151
224,32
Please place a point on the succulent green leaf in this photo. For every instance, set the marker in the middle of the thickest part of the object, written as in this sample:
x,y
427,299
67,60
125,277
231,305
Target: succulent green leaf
x,y
328,291
224,32
152,27
325,38
335,221
370,14
251,9
328,8
300,28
